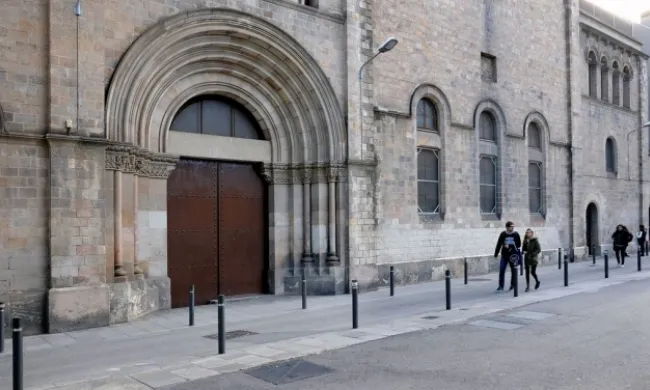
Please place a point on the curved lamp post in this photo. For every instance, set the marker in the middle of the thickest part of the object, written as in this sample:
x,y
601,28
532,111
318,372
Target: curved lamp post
x,y
627,143
385,47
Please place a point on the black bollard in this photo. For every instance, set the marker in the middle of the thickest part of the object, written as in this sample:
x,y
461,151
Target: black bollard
x,y
17,341
606,265
465,269
638,260
221,317
515,279
559,258
355,304
566,272
303,291
593,254
191,306
2,327
448,289
392,281
571,255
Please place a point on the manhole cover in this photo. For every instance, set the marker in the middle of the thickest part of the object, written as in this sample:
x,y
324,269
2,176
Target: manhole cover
x,y
233,334
430,318
478,280
288,372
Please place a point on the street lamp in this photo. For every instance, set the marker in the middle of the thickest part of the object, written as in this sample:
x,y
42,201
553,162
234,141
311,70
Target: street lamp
x,y
627,142
385,47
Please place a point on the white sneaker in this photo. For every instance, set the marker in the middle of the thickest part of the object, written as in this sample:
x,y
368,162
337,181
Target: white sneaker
x,y
622,265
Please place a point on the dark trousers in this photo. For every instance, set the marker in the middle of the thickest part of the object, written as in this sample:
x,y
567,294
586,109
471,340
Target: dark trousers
x,y
502,272
620,254
531,270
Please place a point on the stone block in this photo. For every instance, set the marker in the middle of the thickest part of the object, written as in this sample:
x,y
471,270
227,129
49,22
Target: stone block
x,y
75,308
133,299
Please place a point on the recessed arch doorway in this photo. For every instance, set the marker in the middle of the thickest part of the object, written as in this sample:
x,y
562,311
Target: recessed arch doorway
x,y
591,219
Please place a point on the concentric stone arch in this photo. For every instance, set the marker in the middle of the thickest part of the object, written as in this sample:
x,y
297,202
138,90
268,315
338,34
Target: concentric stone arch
x,y
226,52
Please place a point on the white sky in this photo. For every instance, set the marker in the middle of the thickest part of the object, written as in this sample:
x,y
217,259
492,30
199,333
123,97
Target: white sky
x,y
629,9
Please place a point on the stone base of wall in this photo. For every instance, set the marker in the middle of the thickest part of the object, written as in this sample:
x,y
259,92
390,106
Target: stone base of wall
x,y
133,299
328,281
434,270
76,308
85,307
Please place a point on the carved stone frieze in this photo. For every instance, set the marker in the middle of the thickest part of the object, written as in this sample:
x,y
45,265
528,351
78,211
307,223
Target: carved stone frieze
x,y
141,162
284,174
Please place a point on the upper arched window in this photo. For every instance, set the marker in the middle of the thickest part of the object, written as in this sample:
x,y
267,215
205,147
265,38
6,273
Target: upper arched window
x,y
427,115
593,75
626,86
214,115
616,84
604,80
610,155
534,136
487,127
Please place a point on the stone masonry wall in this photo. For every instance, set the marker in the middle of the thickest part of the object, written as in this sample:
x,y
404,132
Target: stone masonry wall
x,y
23,62
24,208
440,44
107,29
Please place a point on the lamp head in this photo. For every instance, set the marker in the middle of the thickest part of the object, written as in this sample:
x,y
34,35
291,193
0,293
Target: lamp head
x,y
388,45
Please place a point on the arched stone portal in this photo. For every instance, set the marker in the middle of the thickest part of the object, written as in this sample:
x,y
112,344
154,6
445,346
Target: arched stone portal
x,y
591,218
302,152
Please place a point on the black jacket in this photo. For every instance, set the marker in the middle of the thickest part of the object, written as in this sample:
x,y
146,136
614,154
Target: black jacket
x,y
502,239
622,237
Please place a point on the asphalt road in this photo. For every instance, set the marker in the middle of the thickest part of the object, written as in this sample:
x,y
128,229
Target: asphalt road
x,y
587,341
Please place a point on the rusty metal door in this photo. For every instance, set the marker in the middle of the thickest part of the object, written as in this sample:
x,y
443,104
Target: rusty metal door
x,y
192,231
216,230
241,230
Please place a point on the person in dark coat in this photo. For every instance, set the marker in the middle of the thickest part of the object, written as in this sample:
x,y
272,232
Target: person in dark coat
x,y
641,236
621,238
532,249
508,244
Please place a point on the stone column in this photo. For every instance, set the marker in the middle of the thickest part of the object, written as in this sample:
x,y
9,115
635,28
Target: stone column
x,y
307,256
119,272
137,271
332,176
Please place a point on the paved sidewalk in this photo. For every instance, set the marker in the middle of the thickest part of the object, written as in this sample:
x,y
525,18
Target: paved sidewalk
x,y
162,350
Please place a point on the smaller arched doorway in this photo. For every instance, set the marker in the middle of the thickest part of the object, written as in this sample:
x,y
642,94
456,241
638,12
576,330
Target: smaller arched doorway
x,y
592,228
216,209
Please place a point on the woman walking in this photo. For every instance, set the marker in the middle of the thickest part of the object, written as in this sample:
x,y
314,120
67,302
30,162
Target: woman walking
x,y
621,238
532,248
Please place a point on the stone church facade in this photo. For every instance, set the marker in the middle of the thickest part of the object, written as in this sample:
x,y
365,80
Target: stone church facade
x,y
149,146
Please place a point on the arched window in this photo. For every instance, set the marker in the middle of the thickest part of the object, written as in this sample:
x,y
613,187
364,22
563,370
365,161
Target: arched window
x,y
487,127
427,115
626,86
534,136
616,84
428,181
488,184
214,115
610,155
604,80
535,169
593,74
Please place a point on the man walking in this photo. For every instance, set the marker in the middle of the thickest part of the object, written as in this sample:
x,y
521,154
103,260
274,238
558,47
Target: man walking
x,y
508,244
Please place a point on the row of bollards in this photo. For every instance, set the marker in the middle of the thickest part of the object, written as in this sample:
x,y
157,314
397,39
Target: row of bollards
x,y
355,294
